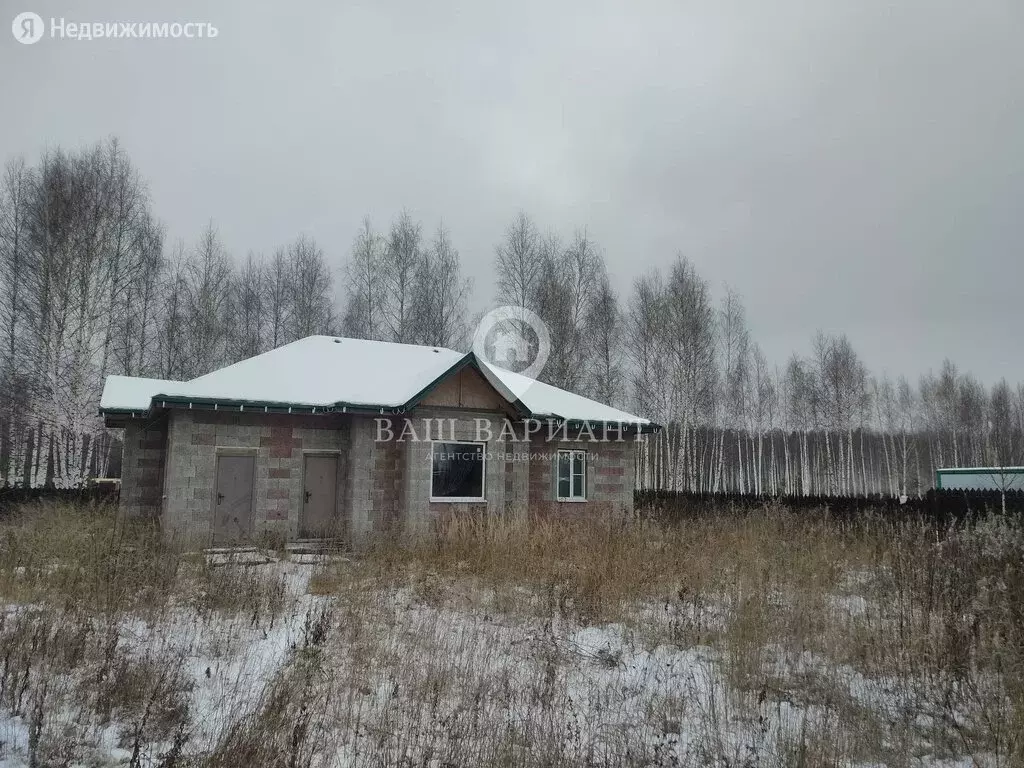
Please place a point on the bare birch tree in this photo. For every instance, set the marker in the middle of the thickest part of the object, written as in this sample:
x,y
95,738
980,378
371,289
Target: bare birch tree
x,y
312,295
648,366
136,316
440,295
604,336
518,263
402,257
564,298
207,304
278,289
734,354
15,321
693,373
249,327
364,290
171,334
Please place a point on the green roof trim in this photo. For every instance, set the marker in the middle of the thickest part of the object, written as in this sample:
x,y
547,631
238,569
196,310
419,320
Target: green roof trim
x,y
276,407
981,471
647,428
461,363
258,406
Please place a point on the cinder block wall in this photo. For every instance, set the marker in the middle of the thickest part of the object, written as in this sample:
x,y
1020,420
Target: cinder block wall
x,y
517,479
610,470
144,449
279,443
420,511
382,484
519,474
375,482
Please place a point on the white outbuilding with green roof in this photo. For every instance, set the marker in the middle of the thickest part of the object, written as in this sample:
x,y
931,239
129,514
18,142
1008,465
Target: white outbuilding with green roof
x,y
980,479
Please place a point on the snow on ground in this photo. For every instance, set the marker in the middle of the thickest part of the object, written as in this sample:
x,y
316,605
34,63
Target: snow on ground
x,y
227,662
406,677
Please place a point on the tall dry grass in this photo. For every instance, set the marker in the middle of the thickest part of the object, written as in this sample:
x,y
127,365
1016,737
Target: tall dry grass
x,y
760,639
908,637
99,619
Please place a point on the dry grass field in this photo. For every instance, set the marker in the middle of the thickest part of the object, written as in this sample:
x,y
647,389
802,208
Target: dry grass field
x,y
765,639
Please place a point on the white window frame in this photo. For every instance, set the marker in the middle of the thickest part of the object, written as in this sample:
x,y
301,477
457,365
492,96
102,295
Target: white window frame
x,y
483,477
574,497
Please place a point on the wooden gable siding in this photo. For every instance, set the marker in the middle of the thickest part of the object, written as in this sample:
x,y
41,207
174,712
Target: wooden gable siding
x,y
466,389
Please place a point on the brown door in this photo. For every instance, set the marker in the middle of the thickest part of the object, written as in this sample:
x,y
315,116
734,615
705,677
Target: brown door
x,y
319,497
232,504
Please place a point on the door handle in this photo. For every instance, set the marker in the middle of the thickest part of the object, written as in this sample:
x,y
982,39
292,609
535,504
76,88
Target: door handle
x,y
220,497
308,494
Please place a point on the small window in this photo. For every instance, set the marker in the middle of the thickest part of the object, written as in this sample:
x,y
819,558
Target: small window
x,y
572,476
457,471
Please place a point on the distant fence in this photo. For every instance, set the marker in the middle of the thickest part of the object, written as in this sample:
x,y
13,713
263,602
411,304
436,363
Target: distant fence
x,y
946,506
943,506
13,497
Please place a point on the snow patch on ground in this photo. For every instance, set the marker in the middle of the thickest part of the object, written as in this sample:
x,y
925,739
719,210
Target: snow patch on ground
x,y
400,672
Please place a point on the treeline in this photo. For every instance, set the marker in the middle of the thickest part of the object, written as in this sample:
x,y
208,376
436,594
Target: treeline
x,y
89,286
819,424
822,424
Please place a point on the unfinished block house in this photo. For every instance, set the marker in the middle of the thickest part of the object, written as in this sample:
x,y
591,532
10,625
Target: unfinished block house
x,y
343,437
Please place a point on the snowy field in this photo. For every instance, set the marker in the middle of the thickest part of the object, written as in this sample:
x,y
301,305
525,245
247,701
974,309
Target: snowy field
x,y
461,652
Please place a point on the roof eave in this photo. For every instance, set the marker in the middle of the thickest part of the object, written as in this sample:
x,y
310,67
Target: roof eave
x,y
255,406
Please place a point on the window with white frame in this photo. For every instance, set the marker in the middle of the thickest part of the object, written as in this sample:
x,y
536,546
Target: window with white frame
x,y
457,471
572,476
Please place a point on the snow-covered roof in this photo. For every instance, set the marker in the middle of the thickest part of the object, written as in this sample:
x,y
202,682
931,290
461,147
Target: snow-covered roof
x,y
330,372
324,371
131,393
545,400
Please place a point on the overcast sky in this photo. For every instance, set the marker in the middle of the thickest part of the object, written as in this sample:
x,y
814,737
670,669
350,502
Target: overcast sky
x,y
851,166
